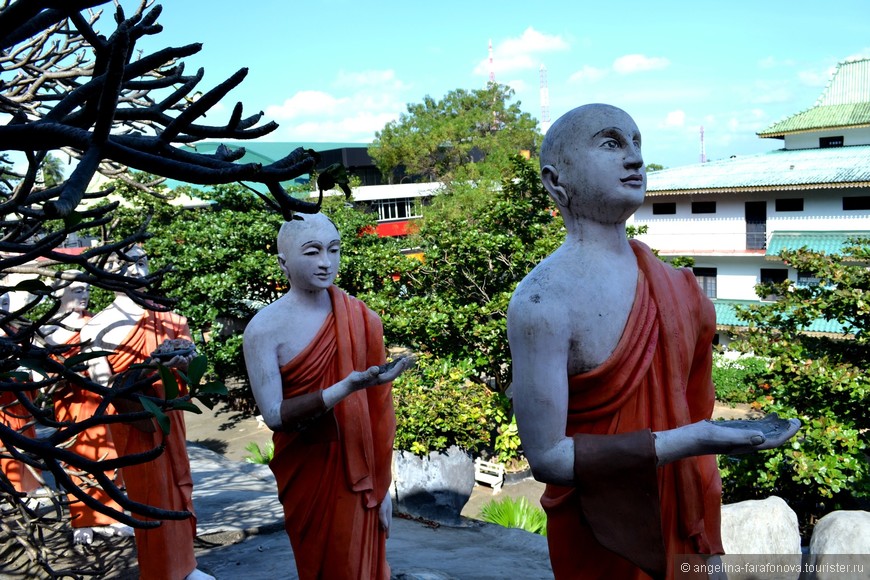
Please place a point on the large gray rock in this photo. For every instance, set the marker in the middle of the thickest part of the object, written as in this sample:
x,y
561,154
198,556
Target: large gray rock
x,y
840,546
436,487
761,540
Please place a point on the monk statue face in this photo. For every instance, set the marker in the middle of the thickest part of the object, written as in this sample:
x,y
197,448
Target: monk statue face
x,y
309,251
592,164
75,298
136,264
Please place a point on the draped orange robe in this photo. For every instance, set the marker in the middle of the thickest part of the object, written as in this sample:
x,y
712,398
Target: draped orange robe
x,y
15,416
657,378
73,403
333,474
165,552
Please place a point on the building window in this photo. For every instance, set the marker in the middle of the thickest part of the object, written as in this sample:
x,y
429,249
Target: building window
x,y
773,276
706,278
668,208
703,207
790,204
861,202
806,279
825,142
397,209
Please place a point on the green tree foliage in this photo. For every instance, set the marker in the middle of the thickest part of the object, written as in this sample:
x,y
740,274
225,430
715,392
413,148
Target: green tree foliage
x,y
439,404
821,379
440,140
478,241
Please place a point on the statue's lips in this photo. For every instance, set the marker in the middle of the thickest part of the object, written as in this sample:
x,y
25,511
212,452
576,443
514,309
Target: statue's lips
x,y
632,179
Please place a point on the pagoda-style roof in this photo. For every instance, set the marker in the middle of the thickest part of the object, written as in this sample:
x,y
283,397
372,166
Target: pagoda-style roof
x,y
779,170
845,102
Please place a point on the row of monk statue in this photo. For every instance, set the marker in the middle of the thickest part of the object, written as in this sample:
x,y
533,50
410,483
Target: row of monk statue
x,y
132,333
612,389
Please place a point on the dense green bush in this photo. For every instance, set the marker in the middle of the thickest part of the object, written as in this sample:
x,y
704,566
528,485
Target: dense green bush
x,y
439,403
738,380
821,379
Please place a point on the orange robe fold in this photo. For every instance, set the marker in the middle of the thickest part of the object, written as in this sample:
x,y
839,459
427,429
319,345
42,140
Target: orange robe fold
x,y
15,416
73,403
657,378
165,552
333,475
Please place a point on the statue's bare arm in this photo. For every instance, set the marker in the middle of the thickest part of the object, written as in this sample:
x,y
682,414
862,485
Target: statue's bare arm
x,y
539,340
260,346
539,350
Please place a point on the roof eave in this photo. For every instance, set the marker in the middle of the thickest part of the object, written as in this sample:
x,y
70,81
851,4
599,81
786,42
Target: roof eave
x,y
760,188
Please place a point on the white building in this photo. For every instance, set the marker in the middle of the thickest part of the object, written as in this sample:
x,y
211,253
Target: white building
x,y
734,216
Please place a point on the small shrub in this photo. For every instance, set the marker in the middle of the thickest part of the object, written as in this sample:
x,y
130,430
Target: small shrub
x,y
261,456
739,381
440,403
515,513
508,446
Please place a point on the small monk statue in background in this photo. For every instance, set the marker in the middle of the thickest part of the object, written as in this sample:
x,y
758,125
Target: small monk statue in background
x,y
134,333
612,358
73,403
315,360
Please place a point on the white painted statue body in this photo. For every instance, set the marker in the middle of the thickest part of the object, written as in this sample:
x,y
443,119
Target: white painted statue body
x,y
595,174
309,253
568,316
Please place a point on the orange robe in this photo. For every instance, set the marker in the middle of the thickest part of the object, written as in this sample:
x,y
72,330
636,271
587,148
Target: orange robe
x,y
657,378
333,474
15,416
165,552
73,403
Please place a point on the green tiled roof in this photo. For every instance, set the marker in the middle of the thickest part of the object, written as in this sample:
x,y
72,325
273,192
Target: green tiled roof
x,y
844,103
781,170
726,316
827,242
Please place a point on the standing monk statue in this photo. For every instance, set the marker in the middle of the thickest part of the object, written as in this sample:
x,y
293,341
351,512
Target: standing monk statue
x,y
133,333
73,403
612,355
314,361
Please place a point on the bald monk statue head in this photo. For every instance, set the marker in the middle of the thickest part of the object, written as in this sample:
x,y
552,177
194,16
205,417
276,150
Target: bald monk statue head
x,y
604,409
316,363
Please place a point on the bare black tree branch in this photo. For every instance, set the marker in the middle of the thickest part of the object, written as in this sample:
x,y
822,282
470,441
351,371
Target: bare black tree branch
x,y
66,87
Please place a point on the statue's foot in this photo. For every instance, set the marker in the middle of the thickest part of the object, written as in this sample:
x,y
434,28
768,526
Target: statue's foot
x,y
83,536
199,575
116,529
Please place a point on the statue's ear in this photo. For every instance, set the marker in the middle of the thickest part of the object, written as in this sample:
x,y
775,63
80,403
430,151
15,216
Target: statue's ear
x,y
282,263
550,179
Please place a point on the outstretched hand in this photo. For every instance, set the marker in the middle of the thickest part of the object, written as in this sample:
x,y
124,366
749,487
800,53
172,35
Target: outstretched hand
x,y
718,438
378,375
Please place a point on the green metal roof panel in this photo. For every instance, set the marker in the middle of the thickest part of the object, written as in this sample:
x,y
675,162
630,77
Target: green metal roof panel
x,y
829,117
816,241
845,102
781,168
726,315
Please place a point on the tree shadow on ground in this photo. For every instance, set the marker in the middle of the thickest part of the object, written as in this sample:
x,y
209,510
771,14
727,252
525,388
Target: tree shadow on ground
x,y
216,445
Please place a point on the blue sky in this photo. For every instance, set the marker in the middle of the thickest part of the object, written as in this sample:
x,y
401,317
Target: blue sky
x,y
338,70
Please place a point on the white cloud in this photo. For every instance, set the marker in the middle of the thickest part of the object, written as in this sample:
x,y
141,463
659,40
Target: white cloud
x,y
305,103
675,119
587,73
359,127
522,53
382,80
632,63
